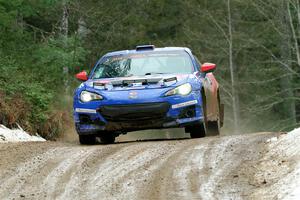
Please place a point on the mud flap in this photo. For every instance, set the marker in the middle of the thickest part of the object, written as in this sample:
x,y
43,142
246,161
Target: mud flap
x,y
221,115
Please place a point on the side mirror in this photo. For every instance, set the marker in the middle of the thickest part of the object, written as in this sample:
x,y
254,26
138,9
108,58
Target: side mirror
x,y
82,76
208,67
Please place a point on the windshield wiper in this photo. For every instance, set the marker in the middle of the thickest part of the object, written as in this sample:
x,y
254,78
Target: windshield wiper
x,y
129,75
151,73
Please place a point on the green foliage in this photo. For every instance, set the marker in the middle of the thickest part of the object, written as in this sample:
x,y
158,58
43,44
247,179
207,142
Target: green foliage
x,y
15,84
54,55
32,64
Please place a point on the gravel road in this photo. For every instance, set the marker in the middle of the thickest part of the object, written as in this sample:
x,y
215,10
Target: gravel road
x,y
252,166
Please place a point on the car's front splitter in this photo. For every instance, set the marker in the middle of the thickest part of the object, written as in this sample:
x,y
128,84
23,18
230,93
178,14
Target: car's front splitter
x,y
85,129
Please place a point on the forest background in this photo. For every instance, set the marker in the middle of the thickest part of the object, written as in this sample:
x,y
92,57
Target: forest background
x,y
255,44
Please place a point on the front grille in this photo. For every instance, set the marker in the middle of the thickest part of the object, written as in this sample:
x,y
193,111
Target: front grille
x,y
86,119
135,112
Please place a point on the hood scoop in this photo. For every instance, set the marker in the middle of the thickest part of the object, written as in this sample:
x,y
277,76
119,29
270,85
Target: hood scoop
x,y
136,82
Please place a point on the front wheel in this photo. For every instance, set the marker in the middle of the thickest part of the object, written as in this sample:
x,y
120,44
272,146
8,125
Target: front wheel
x,y
107,138
197,131
213,128
87,139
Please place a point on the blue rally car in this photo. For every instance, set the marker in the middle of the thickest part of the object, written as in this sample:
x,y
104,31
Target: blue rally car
x,y
147,88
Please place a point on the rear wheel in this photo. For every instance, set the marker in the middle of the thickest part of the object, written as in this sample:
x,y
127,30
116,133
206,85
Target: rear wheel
x,y
107,138
87,139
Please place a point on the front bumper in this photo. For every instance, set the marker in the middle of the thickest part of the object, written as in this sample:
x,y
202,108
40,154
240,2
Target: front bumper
x,y
166,112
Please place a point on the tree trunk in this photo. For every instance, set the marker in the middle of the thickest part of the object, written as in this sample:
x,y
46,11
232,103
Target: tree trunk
x,y
64,32
65,20
289,106
293,32
235,100
82,30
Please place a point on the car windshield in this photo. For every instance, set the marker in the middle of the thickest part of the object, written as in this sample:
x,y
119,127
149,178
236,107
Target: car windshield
x,y
146,63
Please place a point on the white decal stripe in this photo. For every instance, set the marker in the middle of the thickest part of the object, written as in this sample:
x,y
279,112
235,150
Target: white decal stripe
x,y
84,110
188,103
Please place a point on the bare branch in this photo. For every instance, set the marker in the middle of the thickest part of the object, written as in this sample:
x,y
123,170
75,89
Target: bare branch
x,y
293,34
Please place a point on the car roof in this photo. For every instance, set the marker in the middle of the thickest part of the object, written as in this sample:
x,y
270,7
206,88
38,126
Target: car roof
x,y
125,52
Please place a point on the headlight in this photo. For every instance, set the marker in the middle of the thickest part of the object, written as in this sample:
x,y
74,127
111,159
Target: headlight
x,y
86,96
184,89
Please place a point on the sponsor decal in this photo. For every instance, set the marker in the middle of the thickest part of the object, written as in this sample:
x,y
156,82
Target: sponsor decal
x,y
103,85
133,95
89,84
188,103
137,84
84,110
99,87
81,85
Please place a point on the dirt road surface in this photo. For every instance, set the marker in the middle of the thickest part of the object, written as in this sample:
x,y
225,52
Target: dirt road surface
x,y
253,166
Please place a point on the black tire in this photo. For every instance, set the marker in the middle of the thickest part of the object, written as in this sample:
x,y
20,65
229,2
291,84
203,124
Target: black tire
x,y
87,139
197,131
213,128
107,138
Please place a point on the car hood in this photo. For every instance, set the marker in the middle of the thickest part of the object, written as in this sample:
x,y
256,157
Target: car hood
x,y
139,82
